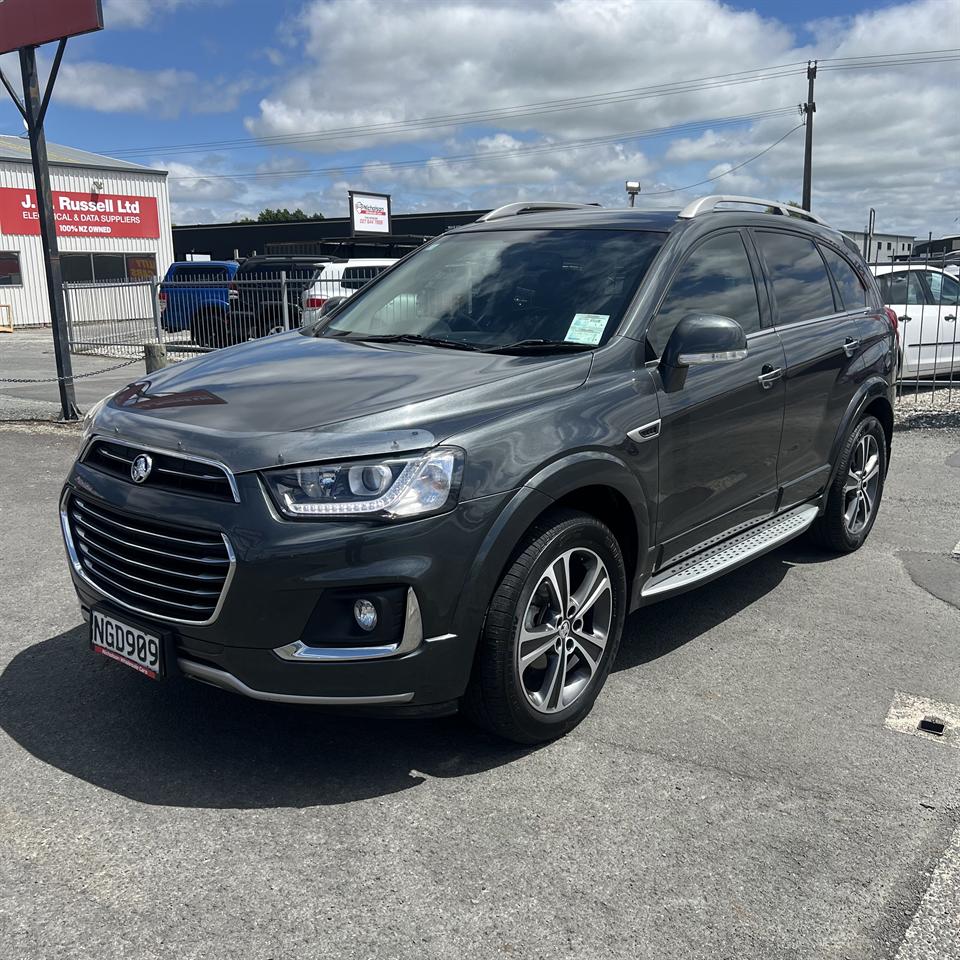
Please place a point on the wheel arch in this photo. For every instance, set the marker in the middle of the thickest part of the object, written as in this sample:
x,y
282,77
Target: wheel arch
x,y
595,483
872,398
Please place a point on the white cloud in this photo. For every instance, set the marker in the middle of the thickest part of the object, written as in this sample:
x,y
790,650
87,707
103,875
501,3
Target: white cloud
x,y
884,138
109,88
135,14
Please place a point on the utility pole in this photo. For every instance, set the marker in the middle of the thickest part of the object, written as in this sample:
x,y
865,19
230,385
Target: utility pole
x,y
809,108
34,110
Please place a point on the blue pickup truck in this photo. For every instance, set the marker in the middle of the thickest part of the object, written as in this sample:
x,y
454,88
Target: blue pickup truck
x,y
195,296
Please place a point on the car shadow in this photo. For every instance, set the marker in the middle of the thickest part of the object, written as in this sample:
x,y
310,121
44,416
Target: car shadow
x,y
655,631
183,744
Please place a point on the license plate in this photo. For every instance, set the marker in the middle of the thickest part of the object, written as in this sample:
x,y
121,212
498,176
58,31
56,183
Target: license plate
x,y
127,644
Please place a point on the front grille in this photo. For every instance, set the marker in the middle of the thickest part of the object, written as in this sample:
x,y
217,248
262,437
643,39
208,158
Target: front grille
x,y
161,569
169,471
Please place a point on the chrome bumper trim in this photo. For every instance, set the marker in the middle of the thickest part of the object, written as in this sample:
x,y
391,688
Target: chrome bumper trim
x,y
227,681
412,637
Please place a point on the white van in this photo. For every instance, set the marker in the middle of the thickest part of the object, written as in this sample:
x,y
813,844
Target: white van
x,y
340,279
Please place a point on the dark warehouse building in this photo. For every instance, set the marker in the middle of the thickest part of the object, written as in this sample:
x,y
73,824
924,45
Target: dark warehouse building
x,y
228,241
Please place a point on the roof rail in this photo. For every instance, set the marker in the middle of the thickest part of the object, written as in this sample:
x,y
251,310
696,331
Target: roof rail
x,y
708,204
533,206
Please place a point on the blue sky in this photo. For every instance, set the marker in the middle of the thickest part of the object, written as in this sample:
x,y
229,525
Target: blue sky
x,y
170,72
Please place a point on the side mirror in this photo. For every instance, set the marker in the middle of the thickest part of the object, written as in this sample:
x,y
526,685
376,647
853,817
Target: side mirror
x,y
700,339
331,304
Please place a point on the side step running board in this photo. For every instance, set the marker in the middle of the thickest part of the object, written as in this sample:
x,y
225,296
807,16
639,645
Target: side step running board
x,y
731,553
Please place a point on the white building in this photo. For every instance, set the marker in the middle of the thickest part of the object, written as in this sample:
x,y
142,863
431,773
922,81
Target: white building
x,y
880,247
113,224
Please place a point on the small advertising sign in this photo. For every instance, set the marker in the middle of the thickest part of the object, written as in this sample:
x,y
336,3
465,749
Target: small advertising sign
x,y
370,212
28,23
80,214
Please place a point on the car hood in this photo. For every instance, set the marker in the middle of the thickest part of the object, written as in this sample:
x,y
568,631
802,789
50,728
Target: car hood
x,y
295,398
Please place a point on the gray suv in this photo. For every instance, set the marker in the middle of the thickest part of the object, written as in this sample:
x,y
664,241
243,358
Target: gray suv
x,y
448,493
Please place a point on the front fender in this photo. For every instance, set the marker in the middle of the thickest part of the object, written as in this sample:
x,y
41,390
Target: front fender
x,y
549,485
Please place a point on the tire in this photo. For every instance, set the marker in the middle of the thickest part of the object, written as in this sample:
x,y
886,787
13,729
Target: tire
x,y
852,505
556,689
209,328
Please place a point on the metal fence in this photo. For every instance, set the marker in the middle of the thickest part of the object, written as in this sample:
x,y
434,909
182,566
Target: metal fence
x,y
193,315
924,293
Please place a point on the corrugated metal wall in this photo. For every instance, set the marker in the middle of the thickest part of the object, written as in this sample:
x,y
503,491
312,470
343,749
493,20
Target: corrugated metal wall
x,y
29,302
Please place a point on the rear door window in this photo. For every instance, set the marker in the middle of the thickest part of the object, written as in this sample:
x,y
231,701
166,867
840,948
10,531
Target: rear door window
x,y
903,287
716,278
798,274
853,294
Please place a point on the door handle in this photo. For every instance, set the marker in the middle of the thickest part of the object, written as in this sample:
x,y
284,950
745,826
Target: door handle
x,y
951,318
769,376
904,319
850,346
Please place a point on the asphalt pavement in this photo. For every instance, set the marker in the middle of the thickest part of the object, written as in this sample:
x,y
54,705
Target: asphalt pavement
x,y
738,791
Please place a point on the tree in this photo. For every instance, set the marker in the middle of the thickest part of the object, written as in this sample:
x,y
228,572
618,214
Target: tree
x,y
283,215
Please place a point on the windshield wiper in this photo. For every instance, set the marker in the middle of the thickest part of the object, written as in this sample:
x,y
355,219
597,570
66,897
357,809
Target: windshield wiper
x,y
414,338
524,346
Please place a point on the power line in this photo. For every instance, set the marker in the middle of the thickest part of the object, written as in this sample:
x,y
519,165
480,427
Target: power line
x,y
425,123
534,149
546,107
756,156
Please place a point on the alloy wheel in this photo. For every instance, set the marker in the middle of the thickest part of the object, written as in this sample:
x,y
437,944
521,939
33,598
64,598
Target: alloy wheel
x,y
564,630
863,483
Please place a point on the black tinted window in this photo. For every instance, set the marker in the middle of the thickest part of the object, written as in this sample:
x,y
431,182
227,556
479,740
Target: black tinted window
x,y
76,267
10,270
800,281
716,278
853,294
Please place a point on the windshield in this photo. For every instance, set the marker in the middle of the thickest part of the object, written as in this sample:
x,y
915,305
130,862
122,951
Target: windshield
x,y
496,289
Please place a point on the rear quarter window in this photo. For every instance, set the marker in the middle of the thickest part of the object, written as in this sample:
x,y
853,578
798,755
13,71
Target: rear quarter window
x,y
853,294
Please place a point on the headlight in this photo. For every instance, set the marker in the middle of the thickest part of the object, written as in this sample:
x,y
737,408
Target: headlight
x,y
390,489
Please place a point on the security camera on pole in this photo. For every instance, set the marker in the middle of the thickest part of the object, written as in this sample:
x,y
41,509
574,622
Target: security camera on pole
x,y
25,25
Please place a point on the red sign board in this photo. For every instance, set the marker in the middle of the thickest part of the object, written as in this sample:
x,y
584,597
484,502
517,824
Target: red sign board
x,y
28,23
80,214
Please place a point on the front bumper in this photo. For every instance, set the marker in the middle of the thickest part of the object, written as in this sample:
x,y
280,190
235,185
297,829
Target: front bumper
x,y
266,639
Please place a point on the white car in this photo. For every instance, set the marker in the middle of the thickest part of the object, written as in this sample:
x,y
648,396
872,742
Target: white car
x,y
925,300
340,279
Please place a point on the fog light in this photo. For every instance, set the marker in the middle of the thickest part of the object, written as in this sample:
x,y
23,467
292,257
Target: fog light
x,y
365,613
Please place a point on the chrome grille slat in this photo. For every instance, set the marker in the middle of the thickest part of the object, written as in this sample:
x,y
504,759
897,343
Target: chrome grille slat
x,y
85,549
83,507
212,577
209,561
163,577
104,452
134,593
190,476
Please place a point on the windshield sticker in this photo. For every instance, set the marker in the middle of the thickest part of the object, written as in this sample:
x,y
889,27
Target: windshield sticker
x,y
587,328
